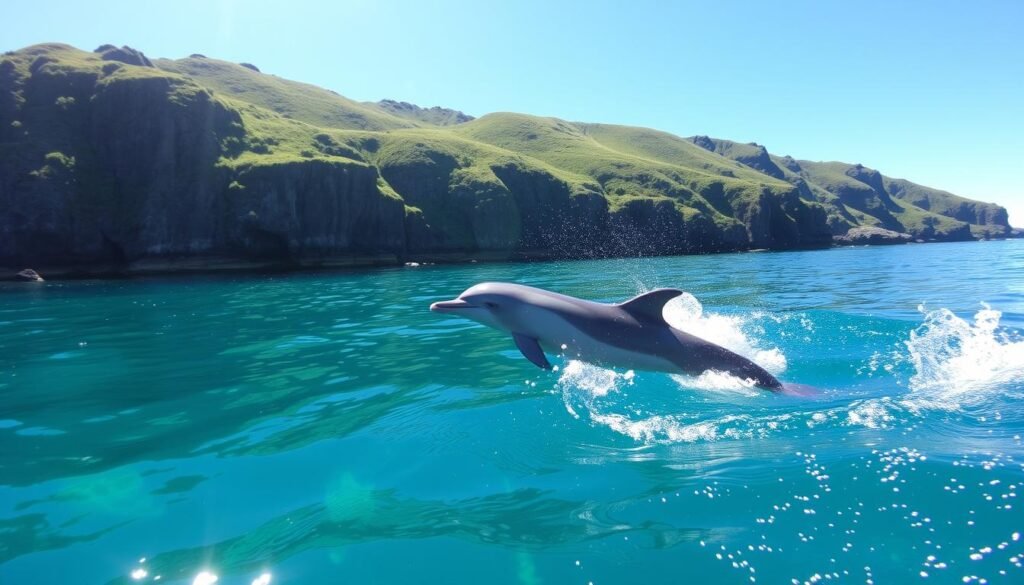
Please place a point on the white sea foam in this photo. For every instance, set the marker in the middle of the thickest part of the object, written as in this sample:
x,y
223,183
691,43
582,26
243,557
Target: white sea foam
x,y
594,380
720,383
658,429
874,413
686,313
958,363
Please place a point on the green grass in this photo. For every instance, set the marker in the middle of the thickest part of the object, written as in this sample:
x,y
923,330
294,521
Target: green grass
x,y
271,138
291,99
850,201
835,178
285,122
945,203
630,162
665,148
474,157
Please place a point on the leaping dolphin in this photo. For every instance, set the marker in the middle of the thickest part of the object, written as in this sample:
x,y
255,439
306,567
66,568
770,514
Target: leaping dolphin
x,y
633,334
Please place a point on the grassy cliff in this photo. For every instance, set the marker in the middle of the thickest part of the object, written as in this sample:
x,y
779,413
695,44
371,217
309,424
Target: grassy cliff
x,y
109,158
855,195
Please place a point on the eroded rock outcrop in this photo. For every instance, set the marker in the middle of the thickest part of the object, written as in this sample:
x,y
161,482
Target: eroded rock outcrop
x,y
124,54
433,115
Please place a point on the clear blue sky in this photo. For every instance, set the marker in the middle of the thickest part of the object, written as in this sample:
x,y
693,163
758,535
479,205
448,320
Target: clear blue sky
x,y
931,91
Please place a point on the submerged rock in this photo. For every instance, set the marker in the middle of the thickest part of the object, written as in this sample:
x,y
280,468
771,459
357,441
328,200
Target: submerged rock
x,y
872,235
28,275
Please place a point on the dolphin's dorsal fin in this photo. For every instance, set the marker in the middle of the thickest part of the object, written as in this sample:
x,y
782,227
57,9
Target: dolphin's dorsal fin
x,y
649,305
531,349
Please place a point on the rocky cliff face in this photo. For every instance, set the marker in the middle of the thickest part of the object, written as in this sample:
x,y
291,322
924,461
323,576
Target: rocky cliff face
x,y
753,155
983,219
855,195
434,115
109,169
307,211
109,162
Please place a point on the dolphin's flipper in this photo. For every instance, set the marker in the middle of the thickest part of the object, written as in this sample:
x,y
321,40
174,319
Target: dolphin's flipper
x,y
649,305
531,349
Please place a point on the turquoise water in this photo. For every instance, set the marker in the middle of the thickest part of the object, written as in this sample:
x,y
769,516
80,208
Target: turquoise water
x,y
326,428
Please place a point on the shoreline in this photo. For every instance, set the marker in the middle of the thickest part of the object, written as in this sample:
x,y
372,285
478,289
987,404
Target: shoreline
x,y
214,265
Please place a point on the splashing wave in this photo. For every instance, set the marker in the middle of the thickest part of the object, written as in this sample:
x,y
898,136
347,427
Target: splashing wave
x,y
687,313
962,364
954,364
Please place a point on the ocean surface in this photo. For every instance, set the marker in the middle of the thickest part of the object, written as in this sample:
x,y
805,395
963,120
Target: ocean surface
x,y
327,428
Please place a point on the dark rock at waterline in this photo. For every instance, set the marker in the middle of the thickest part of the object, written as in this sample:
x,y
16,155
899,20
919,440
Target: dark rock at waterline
x,y
28,275
871,235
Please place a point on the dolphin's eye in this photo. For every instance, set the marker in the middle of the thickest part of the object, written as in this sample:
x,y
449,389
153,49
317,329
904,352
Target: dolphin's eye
x,y
490,305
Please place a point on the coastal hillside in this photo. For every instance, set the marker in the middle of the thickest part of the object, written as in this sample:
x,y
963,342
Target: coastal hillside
x,y
110,160
859,196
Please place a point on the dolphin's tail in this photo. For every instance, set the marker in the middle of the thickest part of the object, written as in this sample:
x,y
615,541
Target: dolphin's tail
x,y
803,390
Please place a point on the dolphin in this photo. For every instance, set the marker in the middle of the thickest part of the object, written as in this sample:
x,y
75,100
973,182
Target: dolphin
x,y
632,334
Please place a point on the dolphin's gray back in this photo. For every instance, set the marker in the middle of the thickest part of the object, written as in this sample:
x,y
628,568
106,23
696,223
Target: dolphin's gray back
x,y
643,333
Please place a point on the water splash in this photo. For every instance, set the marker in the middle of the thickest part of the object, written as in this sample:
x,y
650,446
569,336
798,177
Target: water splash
x,y
595,380
958,363
687,314
582,383
658,429
598,392
722,383
948,363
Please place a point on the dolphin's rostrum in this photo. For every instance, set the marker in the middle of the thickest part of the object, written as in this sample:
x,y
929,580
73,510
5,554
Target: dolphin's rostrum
x,y
633,334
